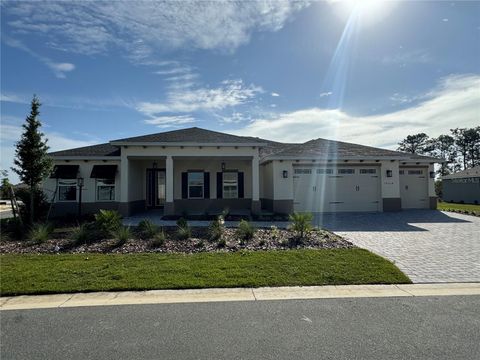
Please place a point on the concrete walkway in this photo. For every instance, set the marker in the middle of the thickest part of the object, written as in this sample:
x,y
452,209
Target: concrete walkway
x,y
234,294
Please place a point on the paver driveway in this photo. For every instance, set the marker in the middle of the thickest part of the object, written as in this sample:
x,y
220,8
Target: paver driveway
x,y
428,246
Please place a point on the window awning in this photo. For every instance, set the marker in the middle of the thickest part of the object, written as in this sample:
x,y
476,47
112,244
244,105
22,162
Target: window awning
x,y
104,171
65,171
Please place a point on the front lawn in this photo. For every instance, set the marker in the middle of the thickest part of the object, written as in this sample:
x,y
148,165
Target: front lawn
x,y
40,274
445,206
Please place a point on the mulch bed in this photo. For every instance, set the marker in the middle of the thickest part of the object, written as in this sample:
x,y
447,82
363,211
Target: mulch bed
x,y
264,239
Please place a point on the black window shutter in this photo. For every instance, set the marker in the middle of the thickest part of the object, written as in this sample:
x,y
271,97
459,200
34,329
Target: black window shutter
x,y
206,185
184,185
219,185
241,186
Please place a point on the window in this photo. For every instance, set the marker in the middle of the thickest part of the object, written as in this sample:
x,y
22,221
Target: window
x,y
195,185
324,171
415,172
368,171
303,171
105,189
230,185
67,189
346,171
401,172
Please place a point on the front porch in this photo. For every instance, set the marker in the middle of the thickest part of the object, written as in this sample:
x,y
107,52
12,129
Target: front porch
x,y
190,185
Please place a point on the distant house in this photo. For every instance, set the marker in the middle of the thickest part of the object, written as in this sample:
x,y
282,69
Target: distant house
x,y
462,187
201,171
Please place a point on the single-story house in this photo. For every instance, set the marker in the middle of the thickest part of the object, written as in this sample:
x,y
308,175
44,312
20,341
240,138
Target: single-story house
x,y
201,171
462,187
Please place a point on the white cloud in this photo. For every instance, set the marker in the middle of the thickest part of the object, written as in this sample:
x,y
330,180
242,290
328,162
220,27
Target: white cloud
x,y
328,93
13,98
10,134
274,94
145,26
229,93
59,69
170,121
453,103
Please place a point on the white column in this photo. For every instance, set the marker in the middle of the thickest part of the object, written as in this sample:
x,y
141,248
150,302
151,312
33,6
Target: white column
x,y
255,179
169,178
124,179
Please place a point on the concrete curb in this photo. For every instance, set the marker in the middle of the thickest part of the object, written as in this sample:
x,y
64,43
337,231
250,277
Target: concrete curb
x,y
234,294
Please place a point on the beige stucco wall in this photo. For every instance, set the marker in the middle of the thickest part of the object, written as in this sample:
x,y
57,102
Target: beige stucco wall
x,y
282,187
85,169
390,185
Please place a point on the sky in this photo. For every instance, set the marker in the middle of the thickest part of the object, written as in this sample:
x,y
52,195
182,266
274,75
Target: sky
x,y
369,72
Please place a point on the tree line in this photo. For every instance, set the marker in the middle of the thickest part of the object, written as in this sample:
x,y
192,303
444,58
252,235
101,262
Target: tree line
x,y
460,149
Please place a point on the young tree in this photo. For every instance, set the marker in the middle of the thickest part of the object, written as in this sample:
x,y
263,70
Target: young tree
x,y
415,144
444,148
32,163
5,186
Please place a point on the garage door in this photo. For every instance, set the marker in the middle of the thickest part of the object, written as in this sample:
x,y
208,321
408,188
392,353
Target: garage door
x,y
414,188
336,189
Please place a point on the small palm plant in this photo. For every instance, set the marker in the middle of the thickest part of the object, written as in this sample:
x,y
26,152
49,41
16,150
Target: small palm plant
x,y
108,221
301,224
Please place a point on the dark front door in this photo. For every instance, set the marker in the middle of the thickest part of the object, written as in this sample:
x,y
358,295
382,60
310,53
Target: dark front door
x,y
155,188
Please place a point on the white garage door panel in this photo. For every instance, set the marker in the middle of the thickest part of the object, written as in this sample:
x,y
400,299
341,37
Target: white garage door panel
x,y
414,188
336,190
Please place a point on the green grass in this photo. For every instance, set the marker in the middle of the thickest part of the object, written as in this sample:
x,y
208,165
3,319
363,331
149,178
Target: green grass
x,y
452,206
41,274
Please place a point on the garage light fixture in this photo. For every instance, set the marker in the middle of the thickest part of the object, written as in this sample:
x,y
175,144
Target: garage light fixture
x,y
432,174
285,174
223,166
389,173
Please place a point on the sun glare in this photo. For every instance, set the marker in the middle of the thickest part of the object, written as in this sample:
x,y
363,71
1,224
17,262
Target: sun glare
x,y
370,11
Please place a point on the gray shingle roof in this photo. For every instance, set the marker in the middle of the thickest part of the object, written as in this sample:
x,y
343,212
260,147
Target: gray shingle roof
x,y
472,172
322,148
318,148
192,135
93,150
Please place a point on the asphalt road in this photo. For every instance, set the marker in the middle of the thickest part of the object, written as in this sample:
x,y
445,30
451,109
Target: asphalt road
x,y
367,328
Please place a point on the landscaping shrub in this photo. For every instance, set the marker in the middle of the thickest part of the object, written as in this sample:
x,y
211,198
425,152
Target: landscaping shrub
x,y
39,233
245,231
122,234
108,221
221,243
147,229
182,222
216,229
158,240
184,233
81,235
13,228
274,232
301,224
